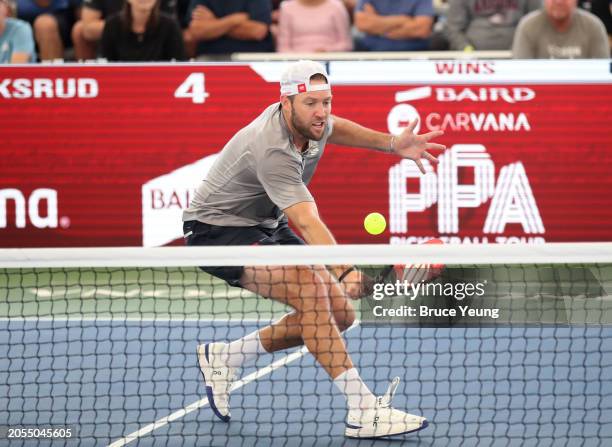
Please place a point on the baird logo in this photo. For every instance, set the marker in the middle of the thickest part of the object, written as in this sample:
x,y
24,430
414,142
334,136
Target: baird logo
x,y
170,198
22,88
165,197
493,94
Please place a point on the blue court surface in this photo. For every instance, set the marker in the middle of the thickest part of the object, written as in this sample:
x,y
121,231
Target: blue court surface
x,y
546,386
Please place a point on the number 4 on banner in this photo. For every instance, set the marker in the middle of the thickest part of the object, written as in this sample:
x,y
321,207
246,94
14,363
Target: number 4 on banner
x,y
193,87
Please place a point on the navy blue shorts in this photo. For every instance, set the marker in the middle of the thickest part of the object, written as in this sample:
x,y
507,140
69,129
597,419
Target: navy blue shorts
x,y
198,233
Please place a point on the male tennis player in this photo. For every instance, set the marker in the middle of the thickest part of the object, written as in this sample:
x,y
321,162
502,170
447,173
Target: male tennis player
x,y
257,183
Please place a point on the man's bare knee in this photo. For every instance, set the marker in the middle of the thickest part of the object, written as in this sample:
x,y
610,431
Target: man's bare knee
x,y
308,292
345,319
300,287
344,313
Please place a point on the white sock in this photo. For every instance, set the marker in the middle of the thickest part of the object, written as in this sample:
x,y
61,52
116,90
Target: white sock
x,y
358,395
244,350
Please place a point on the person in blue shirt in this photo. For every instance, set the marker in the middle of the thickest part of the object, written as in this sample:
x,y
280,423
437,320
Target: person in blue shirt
x,y
229,26
16,40
52,21
393,25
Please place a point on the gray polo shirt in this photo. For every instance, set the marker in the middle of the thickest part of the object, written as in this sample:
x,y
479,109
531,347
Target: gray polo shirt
x,y
536,38
258,173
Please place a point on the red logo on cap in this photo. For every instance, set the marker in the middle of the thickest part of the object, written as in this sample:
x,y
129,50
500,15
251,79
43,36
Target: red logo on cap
x,y
301,88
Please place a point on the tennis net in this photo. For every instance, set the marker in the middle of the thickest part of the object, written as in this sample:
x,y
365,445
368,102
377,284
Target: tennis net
x,y
505,345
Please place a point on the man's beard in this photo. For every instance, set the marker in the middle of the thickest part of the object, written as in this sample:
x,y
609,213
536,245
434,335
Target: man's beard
x,y
304,130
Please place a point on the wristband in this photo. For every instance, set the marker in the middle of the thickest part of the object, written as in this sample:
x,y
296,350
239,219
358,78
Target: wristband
x,y
345,273
392,144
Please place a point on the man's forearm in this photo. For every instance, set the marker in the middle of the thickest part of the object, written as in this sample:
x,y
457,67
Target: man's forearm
x,y
317,233
412,27
349,133
249,30
211,29
377,25
391,22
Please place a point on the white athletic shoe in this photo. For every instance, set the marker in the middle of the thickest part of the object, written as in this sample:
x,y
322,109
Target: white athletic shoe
x,y
218,378
382,420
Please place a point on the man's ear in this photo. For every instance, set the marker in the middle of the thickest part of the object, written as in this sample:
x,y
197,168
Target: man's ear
x,y
285,102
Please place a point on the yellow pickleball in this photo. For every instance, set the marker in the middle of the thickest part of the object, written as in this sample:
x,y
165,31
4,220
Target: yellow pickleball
x,y
375,223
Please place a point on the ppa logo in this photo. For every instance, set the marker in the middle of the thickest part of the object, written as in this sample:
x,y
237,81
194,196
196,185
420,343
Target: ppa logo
x,y
512,199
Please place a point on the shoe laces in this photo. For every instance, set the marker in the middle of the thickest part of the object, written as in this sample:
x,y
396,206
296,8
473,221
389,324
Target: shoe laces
x,y
229,380
384,401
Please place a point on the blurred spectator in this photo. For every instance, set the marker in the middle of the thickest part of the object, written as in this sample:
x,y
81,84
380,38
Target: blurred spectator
x,y
393,25
313,26
52,21
275,15
560,31
140,32
275,4
350,6
485,24
16,40
438,40
87,32
182,8
229,26
603,10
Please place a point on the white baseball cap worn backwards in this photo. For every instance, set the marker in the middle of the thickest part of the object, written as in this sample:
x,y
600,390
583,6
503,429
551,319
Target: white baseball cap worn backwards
x,y
296,78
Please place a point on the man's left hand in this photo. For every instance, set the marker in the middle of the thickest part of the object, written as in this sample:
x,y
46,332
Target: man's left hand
x,y
357,285
416,147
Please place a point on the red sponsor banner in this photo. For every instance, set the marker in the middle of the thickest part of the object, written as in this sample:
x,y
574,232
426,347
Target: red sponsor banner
x,y
109,155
